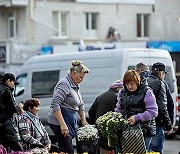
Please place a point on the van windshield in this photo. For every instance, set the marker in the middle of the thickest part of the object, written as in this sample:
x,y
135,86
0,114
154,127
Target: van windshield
x,y
168,77
19,89
43,83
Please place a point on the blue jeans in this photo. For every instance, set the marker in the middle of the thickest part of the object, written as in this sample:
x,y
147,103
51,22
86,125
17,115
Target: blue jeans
x,y
157,142
147,143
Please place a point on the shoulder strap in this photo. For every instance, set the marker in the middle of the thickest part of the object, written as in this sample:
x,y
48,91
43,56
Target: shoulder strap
x,y
35,125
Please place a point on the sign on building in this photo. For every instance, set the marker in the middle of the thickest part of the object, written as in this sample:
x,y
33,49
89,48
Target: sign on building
x,y
3,53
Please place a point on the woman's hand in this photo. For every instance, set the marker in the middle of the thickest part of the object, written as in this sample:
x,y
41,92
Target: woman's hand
x,y
64,129
20,108
131,120
84,122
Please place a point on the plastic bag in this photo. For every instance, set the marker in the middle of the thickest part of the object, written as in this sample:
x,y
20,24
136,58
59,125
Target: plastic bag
x,y
87,146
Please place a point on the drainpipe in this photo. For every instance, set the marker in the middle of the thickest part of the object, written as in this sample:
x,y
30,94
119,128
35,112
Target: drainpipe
x,y
37,20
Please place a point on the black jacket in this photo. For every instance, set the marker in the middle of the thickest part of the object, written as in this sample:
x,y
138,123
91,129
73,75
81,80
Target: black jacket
x,y
170,102
104,103
160,93
7,103
132,103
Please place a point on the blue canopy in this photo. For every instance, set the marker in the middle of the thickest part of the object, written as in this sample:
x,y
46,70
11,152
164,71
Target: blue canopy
x,y
171,46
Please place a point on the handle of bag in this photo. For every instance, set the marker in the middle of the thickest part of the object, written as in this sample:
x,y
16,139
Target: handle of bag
x,y
125,112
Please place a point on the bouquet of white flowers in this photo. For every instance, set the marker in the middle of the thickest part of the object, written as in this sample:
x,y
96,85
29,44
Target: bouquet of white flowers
x,y
87,139
110,123
87,133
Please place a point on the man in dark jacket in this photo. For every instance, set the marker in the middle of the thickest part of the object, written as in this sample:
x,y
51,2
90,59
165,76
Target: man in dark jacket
x,y
170,103
9,132
104,103
143,70
163,121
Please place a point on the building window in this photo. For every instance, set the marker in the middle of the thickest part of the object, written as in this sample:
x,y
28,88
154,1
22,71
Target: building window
x,y
60,21
91,25
142,25
11,24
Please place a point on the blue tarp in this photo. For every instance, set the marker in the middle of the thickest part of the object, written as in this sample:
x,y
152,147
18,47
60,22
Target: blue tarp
x,y
171,46
46,50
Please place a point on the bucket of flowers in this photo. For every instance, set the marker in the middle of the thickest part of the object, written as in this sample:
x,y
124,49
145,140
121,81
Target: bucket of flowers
x,y
87,139
109,124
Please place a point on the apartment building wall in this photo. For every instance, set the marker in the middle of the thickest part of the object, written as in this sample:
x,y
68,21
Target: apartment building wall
x,y
166,25
35,24
163,21
122,17
17,15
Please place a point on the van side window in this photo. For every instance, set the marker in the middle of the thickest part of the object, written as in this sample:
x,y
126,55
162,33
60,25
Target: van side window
x,y
19,89
43,83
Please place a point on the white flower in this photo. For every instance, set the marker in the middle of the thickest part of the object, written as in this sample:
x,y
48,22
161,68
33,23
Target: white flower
x,y
110,123
87,133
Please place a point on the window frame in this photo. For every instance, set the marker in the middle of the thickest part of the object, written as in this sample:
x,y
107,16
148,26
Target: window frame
x,y
141,26
13,28
90,33
59,24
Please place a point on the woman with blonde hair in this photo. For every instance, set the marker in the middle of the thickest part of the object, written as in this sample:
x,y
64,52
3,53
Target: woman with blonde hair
x,y
65,105
137,103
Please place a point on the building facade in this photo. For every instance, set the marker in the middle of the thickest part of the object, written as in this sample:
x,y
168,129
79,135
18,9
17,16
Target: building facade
x,y
28,25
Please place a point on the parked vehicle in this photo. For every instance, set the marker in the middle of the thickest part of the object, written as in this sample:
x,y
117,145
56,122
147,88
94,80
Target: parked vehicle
x,y
39,74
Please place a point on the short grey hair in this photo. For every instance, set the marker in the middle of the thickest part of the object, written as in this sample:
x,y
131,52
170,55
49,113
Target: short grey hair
x,y
78,67
142,67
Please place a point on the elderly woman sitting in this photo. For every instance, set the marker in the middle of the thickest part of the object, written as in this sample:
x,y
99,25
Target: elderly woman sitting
x,y
32,131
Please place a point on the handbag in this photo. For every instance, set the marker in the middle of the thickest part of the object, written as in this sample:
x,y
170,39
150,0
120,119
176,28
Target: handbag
x,y
132,140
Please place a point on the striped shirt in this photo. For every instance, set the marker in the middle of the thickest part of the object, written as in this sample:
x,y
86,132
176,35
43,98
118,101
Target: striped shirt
x,y
32,130
66,95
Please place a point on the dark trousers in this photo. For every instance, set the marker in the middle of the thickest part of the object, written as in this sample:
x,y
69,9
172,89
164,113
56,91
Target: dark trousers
x,y
65,143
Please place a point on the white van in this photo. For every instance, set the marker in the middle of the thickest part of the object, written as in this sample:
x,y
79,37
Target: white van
x,y
39,75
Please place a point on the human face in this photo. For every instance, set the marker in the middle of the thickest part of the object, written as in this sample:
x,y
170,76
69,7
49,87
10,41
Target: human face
x,y
10,83
139,71
131,86
163,74
34,110
77,77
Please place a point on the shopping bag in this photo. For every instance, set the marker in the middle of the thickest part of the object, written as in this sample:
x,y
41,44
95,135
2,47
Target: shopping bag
x,y
132,140
86,146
